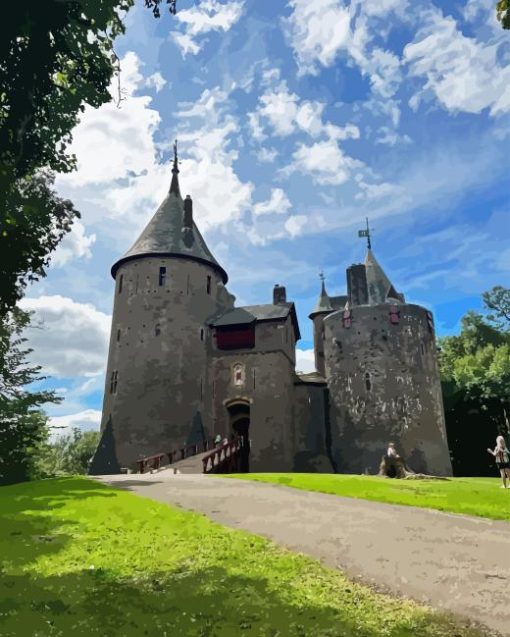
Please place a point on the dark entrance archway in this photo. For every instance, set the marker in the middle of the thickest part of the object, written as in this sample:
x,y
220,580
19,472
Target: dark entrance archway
x,y
239,413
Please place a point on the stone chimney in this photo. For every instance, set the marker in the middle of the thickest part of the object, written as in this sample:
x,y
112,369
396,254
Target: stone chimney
x,y
279,294
187,222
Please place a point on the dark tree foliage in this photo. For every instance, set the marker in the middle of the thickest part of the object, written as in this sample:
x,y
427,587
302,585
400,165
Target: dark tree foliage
x,y
23,426
497,303
55,56
503,13
35,222
154,5
475,375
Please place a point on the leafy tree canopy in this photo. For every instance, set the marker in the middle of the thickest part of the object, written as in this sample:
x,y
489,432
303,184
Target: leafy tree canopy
x,y
70,454
503,13
497,303
23,426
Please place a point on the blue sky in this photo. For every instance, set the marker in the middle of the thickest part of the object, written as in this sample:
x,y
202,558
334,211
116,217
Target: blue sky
x,y
295,121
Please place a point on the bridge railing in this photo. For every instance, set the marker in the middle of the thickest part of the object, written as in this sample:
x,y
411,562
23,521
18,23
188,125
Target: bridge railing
x,y
151,463
224,458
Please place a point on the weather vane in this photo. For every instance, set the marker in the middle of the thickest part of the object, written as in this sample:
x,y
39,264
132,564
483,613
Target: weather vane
x,y
321,276
366,233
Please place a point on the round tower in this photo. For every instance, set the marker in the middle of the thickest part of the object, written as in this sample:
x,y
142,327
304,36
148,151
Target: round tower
x,y
383,377
322,308
166,288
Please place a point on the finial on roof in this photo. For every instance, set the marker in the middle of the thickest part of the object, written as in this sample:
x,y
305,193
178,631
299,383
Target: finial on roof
x,y
174,186
366,233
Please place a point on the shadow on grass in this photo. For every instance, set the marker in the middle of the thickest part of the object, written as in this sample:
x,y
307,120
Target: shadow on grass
x,y
207,603
182,601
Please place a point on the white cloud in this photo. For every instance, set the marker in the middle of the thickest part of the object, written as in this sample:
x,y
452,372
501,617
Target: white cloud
x,y
72,339
317,30
305,360
377,191
208,134
320,30
267,155
75,244
295,224
156,80
86,420
324,161
390,137
278,203
208,15
463,73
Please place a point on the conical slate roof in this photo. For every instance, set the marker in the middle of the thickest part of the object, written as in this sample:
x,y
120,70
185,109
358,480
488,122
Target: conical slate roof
x,y
323,303
166,236
378,284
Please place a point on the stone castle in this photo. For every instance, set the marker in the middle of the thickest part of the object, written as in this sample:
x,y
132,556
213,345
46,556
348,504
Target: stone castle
x,y
185,364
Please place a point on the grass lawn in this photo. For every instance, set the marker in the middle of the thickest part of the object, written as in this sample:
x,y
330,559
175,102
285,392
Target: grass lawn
x,y
472,496
80,558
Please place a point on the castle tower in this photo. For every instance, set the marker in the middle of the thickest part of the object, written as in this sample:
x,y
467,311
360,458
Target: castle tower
x,y
167,286
322,308
383,377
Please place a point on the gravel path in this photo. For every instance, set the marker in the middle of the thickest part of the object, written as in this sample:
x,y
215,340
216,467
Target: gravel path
x,y
451,562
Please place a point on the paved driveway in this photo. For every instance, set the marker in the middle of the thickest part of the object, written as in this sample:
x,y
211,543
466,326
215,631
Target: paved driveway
x,y
452,562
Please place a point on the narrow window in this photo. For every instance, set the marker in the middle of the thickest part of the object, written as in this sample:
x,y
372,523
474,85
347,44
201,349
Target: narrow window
x,y
162,275
157,329
368,384
201,333
113,382
121,278
208,285
118,336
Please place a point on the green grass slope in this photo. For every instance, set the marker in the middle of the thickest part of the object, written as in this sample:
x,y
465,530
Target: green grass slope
x,y
79,558
471,496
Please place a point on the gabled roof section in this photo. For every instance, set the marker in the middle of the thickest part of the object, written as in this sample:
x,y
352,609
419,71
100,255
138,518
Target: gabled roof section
x,y
378,284
164,234
250,313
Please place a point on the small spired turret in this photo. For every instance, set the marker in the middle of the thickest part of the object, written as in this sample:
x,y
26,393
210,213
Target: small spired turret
x,y
167,286
322,308
381,368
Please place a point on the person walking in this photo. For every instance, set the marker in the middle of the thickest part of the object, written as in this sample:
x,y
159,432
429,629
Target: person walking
x,y
217,440
502,456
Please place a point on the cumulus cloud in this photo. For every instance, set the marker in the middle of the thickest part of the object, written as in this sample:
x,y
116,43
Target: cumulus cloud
x,y
278,203
156,81
325,161
208,134
75,244
86,420
464,74
267,155
295,224
68,338
305,360
320,30
208,15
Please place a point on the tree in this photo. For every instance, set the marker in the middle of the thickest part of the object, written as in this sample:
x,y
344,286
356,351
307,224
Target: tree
x,y
497,301
36,221
23,426
55,56
503,13
475,374
70,454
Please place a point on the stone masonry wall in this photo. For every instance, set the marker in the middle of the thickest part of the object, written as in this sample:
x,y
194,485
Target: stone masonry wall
x,y
384,386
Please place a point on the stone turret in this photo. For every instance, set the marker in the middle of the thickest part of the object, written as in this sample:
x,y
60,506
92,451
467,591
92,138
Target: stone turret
x,y
322,308
167,286
383,377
